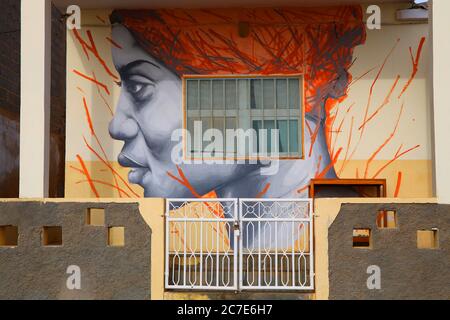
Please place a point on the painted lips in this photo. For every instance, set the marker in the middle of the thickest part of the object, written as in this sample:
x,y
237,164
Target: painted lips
x,y
138,170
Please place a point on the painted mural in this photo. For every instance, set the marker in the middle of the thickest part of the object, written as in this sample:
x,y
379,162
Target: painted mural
x,y
136,76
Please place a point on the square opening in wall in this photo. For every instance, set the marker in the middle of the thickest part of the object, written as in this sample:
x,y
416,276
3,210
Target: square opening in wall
x,y
387,219
52,236
95,217
116,236
428,239
362,238
9,236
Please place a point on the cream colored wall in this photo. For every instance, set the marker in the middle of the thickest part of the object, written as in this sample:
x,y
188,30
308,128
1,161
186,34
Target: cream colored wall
x,y
441,80
326,211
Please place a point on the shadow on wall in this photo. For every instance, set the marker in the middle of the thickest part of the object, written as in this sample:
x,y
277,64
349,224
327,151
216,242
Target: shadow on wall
x,y
73,251
390,251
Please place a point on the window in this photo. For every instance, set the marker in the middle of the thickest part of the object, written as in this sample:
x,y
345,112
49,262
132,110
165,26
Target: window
x,y
428,239
387,219
362,238
9,236
95,217
262,104
52,236
116,236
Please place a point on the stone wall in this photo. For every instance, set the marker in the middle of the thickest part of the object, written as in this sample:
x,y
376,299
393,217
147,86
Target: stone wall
x,y
406,271
32,270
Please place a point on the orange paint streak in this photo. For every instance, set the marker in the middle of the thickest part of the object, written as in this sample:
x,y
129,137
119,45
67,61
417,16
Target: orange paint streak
x,y
319,162
397,156
369,100
264,191
101,19
106,184
329,123
338,131
313,139
115,44
88,176
76,169
81,90
91,47
386,101
101,95
93,133
381,147
349,141
303,189
92,80
88,116
330,165
415,63
360,77
110,167
399,183
185,182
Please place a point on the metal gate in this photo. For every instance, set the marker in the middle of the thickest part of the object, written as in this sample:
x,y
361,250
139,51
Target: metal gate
x,y
245,244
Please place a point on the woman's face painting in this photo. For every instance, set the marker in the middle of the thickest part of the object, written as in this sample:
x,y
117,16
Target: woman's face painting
x,y
148,112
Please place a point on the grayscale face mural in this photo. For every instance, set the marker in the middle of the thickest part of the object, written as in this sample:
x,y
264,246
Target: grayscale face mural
x,y
157,54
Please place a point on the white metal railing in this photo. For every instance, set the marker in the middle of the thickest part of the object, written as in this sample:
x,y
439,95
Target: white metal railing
x,y
276,246
216,244
201,244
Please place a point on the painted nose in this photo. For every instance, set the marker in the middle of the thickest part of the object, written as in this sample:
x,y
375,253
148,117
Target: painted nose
x,y
123,128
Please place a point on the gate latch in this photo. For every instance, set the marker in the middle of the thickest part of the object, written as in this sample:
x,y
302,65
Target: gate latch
x,y
236,228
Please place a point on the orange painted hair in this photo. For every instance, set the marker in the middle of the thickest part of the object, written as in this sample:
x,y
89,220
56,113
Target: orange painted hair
x,y
316,42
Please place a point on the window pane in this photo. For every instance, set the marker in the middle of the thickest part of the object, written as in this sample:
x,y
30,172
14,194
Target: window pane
x,y
206,124
190,129
269,93
293,136
205,94
192,95
269,125
196,136
255,94
283,129
251,96
282,94
230,94
231,124
219,124
257,125
244,96
217,92
294,96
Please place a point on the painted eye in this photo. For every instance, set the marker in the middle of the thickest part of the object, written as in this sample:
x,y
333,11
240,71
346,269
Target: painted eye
x,y
141,89
134,87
